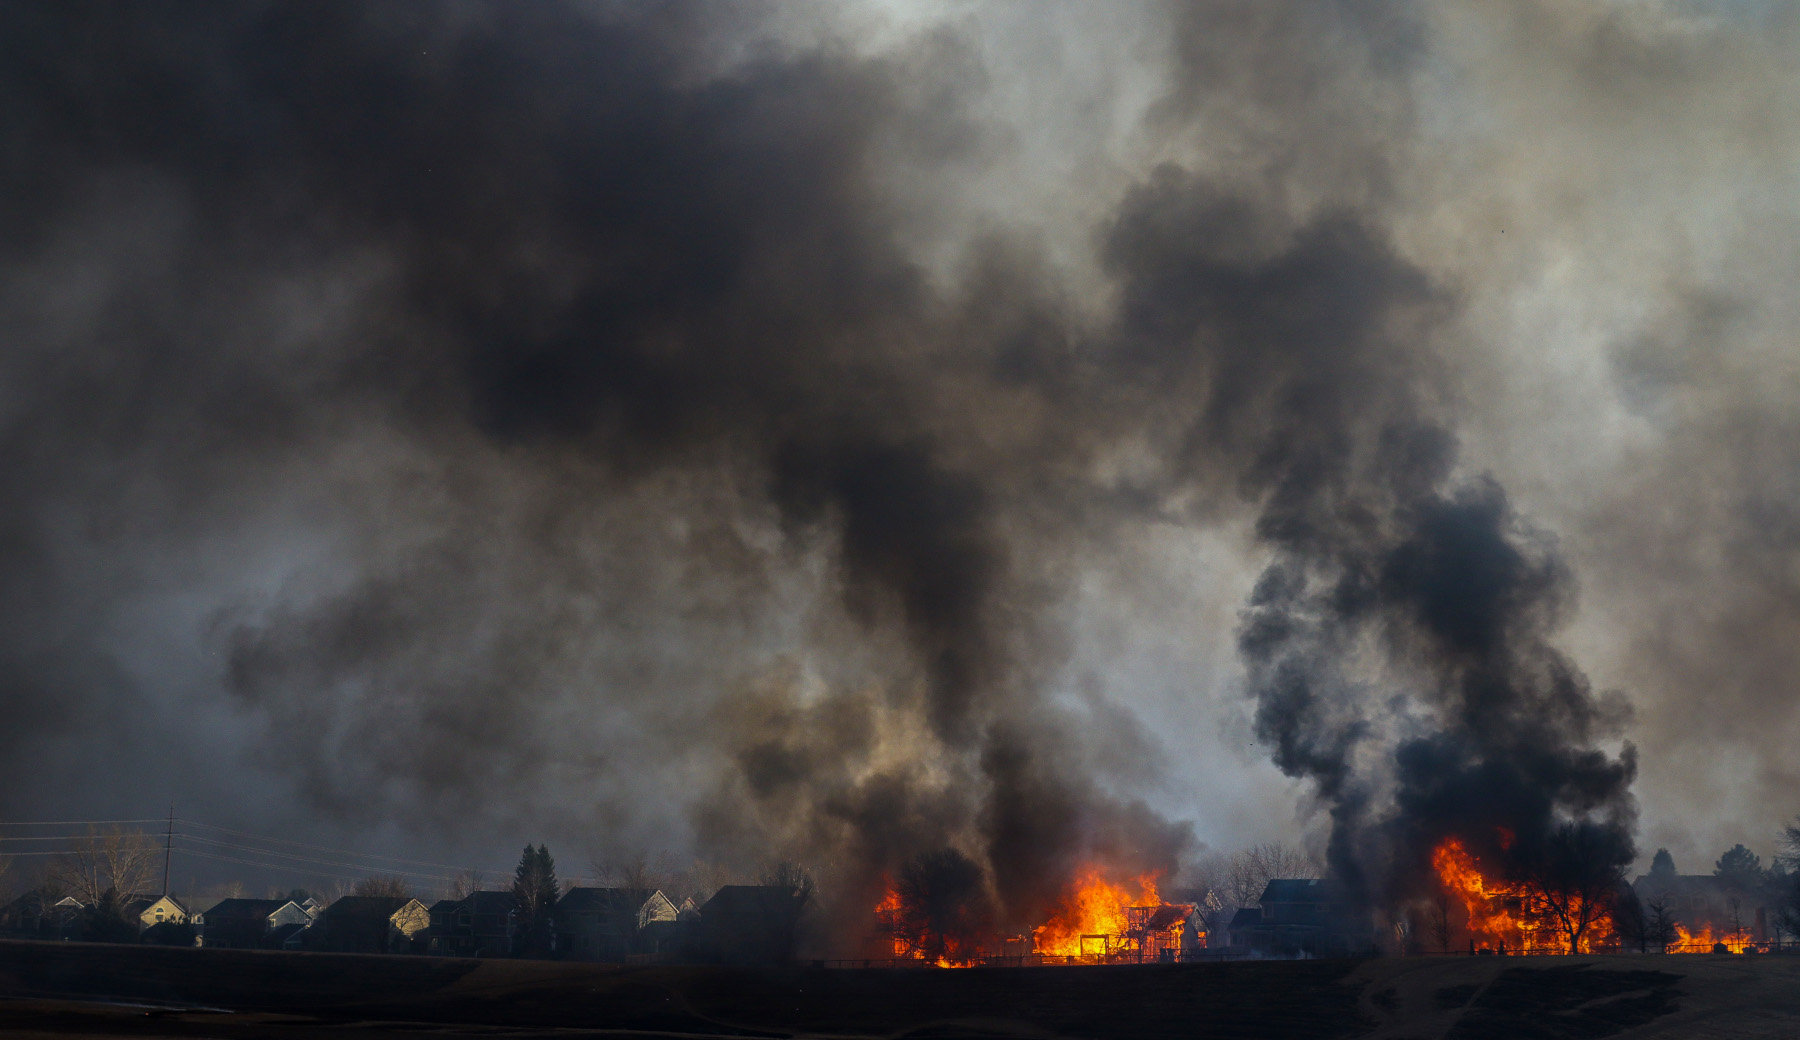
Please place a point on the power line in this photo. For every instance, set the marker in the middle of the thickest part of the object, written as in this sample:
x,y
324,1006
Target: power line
x,y
336,859
271,866
68,823
342,864
270,839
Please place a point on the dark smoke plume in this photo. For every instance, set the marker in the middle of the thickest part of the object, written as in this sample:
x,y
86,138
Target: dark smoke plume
x,y
612,325
1406,611
545,412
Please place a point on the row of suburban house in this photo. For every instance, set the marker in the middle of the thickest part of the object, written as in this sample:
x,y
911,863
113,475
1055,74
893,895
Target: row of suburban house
x,y
740,923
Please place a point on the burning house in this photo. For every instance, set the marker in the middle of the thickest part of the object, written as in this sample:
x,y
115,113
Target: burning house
x,y
937,914
1702,912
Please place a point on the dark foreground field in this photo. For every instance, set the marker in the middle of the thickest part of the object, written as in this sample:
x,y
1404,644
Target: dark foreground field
x,y
76,990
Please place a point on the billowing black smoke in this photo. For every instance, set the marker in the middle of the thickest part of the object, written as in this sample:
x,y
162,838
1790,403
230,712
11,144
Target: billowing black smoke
x,y
575,341
601,276
1399,642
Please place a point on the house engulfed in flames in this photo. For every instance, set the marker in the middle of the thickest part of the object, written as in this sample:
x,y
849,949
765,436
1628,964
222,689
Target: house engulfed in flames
x,y
1506,915
1099,921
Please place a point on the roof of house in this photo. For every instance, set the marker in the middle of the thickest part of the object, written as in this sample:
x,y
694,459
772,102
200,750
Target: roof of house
x,y
623,902
1246,917
445,906
245,907
1293,890
30,903
1680,882
490,901
751,899
364,908
178,904
1167,916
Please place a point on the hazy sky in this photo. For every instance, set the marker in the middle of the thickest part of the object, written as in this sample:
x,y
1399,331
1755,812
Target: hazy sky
x,y
759,430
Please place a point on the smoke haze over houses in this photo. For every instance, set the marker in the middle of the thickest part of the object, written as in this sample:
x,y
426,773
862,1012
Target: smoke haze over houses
x,y
1062,433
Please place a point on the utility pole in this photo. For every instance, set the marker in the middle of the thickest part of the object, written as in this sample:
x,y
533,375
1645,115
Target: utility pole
x,y
168,848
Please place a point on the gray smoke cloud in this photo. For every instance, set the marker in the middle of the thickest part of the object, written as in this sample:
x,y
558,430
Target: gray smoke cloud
x,y
764,433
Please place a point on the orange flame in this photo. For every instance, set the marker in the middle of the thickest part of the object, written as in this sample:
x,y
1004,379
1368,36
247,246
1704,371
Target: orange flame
x,y
1704,940
1093,906
1504,914
1094,919
889,913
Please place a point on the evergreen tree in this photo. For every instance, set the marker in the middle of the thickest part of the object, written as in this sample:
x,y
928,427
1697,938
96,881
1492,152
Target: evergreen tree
x,y
1740,869
1663,866
535,892
107,921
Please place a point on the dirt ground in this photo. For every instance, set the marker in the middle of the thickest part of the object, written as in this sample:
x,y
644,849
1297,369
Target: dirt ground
x,y
76,990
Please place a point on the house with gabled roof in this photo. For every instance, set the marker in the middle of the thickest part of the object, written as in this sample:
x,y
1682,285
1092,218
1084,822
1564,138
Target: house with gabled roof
x,y
440,934
749,924
158,910
610,924
481,924
1307,916
67,912
35,915
374,924
245,924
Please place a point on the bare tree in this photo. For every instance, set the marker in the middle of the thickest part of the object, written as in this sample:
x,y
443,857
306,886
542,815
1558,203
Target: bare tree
x,y
1570,883
630,872
392,886
1250,870
1787,885
703,878
790,875
1659,922
1790,845
123,861
943,905
1440,922
799,882
462,884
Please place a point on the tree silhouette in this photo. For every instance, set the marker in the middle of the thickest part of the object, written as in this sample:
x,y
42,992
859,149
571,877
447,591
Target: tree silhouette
x,y
1739,868
1572,879
944,909
390,885
535,893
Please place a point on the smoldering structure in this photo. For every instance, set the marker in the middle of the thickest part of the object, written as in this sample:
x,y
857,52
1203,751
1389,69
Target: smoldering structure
x,y
593,290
